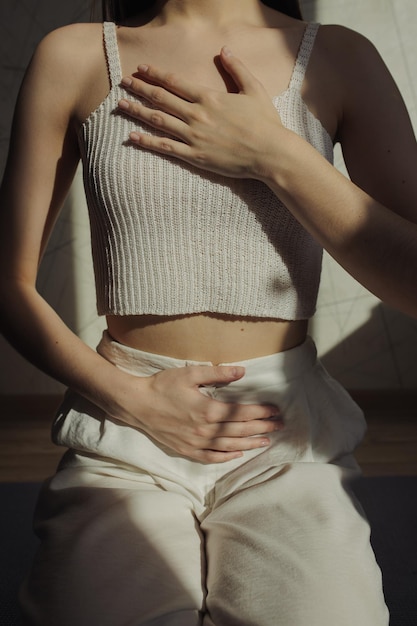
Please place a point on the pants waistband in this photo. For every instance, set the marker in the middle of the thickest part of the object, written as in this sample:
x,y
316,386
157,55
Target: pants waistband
x,y
285,365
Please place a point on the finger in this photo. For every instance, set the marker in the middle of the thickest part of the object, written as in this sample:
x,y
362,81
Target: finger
x,y
239,445
202,375
163,145
157,96
204,434
159,120
218,411
254,428
229,412
244,79
172,82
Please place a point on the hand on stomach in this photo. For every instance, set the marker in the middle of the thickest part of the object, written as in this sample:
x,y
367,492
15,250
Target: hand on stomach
x,y
173,410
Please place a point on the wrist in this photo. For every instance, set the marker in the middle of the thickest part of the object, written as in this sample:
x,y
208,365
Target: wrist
x,y
126,398
278,162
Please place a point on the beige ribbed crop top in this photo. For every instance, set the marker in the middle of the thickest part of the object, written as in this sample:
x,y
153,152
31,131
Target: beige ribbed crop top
x,y
169,239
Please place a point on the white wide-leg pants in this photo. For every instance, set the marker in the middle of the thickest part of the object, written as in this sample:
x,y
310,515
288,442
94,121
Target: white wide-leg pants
x,y
133,534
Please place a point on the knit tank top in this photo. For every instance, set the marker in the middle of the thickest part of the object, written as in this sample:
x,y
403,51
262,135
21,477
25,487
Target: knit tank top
x,y
170,239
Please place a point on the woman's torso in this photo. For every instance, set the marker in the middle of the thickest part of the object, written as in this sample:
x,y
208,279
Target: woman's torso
x,y
269,53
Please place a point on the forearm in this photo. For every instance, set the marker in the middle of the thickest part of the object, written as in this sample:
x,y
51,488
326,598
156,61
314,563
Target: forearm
x,y
375,245
40,335
168,405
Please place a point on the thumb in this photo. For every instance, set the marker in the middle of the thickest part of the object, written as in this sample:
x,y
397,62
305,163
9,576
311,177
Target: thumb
x,y
215,374
243,78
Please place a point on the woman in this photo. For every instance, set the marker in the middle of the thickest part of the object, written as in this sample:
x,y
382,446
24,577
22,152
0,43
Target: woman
x,y
210,453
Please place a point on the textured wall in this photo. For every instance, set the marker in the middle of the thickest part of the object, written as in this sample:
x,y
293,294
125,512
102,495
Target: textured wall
x,y
363,343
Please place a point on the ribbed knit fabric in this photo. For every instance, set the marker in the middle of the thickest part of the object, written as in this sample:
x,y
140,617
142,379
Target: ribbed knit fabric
x,y
168,238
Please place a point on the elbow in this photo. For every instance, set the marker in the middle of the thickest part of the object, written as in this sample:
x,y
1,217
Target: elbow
x,y
15,295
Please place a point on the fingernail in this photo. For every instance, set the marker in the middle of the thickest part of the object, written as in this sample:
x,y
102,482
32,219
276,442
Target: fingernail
x,y
126,81
227,52
264,443
124,104
143,68
134,137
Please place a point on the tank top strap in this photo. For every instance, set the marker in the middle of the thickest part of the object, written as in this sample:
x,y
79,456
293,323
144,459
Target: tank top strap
x,y
112,53
303,56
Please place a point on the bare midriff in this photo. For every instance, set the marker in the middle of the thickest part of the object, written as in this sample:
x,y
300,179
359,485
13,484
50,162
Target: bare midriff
x,y
207,336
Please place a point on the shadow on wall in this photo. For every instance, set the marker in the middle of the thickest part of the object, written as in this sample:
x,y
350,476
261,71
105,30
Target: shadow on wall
x,y
56,283
22,26
308,9
380,354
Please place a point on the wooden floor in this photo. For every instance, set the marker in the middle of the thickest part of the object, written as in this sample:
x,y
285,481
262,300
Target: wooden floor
x,y
27,454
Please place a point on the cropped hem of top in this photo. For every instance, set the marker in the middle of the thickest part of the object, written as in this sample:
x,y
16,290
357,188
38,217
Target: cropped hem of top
x,y
170,239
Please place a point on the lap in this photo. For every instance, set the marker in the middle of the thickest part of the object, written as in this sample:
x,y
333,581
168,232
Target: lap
x,y
114,551
285,549
293,550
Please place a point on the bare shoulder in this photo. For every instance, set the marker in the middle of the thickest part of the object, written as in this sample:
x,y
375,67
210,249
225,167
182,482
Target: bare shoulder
x,y
353,73
71,49
62,40
66,63
348,55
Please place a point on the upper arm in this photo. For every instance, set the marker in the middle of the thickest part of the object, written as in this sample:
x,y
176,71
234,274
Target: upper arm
x,y
42,159
375,131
